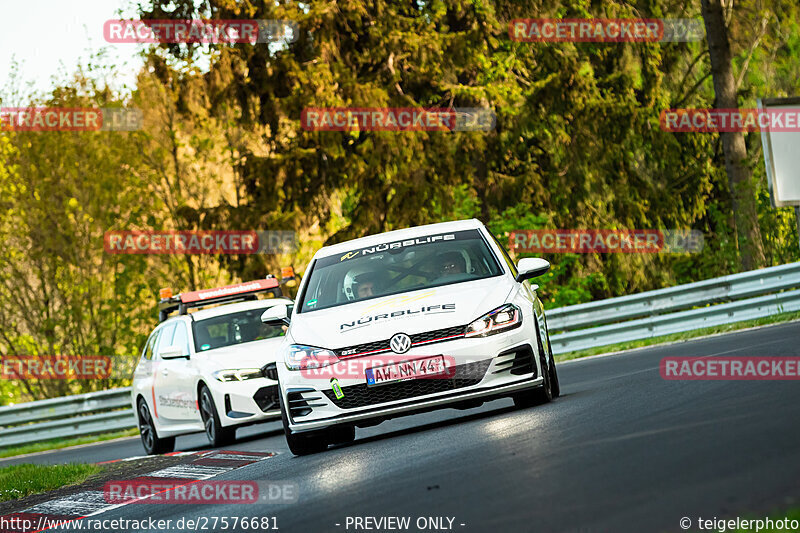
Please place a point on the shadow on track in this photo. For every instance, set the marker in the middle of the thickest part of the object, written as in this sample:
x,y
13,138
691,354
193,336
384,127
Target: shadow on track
x,y
431,426
239,440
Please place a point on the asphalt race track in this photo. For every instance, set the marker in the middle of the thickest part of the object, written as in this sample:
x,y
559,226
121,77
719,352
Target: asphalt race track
x,y
621,450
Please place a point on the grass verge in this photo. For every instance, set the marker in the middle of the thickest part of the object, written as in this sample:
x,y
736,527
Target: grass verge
x,y
22,480
791,514
725,328
64,443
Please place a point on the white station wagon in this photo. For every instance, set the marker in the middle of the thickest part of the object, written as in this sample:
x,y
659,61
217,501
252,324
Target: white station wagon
x,y
210,370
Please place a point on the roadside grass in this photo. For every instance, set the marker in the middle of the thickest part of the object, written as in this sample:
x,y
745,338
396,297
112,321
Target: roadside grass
x,y
675,337
64,443
791,514
22,480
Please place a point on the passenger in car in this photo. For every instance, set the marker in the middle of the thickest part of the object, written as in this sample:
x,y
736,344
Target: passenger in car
x,y
451,263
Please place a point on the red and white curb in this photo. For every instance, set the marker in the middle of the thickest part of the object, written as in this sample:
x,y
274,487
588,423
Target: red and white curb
x,y
137,457
93,502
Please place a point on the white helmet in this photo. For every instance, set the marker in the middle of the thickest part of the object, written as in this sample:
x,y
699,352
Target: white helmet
x,y
350,283
356,276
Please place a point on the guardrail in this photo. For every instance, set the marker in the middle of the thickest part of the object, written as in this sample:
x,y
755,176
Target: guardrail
x,y
749,295
67,417
713,302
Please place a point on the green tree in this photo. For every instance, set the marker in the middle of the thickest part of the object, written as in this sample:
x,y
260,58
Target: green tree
x,y
62,295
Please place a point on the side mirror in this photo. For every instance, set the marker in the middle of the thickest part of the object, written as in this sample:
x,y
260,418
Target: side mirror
x,y
173,352
531,267
277,315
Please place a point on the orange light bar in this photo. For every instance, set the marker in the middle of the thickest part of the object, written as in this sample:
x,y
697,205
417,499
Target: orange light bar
x,y
287,272
229,290
165,293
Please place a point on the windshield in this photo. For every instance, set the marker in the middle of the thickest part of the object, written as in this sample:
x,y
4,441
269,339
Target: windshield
x,y
399,266
235,328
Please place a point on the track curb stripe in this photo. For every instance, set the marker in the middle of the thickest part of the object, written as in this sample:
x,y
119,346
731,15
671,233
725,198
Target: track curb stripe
x,y
90,503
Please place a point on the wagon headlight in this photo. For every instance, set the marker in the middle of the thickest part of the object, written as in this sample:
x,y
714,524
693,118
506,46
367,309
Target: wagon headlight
x,y
238,374
501,319
300,357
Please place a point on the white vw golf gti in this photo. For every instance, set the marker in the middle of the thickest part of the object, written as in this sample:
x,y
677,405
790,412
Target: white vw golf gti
x,y
210,370
408,321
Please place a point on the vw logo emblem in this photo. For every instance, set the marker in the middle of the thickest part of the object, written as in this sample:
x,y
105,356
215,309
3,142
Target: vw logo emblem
x,y
400,343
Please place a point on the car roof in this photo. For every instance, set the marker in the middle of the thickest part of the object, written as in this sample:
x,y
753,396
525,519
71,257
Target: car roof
x,y
400,234
227,309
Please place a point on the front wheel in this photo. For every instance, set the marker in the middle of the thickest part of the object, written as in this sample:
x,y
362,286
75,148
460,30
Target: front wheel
x,y
554,384
538,396
543,393
217,435
153,445
303,443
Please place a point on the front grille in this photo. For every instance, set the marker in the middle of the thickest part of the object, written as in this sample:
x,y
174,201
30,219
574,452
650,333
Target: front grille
x,y
429,336
270,371
362,395
266,398
416,339
376,346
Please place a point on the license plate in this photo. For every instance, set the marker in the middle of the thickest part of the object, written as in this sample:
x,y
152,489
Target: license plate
x,y
418,368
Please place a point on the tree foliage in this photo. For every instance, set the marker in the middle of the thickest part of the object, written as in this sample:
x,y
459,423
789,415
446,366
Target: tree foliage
x,y
577,144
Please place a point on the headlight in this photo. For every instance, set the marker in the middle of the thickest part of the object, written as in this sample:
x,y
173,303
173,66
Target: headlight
x,y
299,357
238,374
501,319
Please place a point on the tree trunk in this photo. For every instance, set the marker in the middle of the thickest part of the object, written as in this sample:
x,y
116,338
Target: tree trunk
x,y
740,179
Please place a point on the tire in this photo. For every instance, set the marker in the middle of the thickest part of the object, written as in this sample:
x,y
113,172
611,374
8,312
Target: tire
x,y
542,394
217,434
153,445
554,384
303,443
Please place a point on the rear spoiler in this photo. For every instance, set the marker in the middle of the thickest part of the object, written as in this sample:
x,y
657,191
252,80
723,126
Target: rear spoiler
x,y
229,293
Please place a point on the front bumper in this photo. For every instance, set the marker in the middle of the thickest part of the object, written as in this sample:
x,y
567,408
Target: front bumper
x,y
246,402
494,366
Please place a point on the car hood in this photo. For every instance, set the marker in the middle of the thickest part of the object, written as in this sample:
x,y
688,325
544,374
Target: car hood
x,y
248,355
411,312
